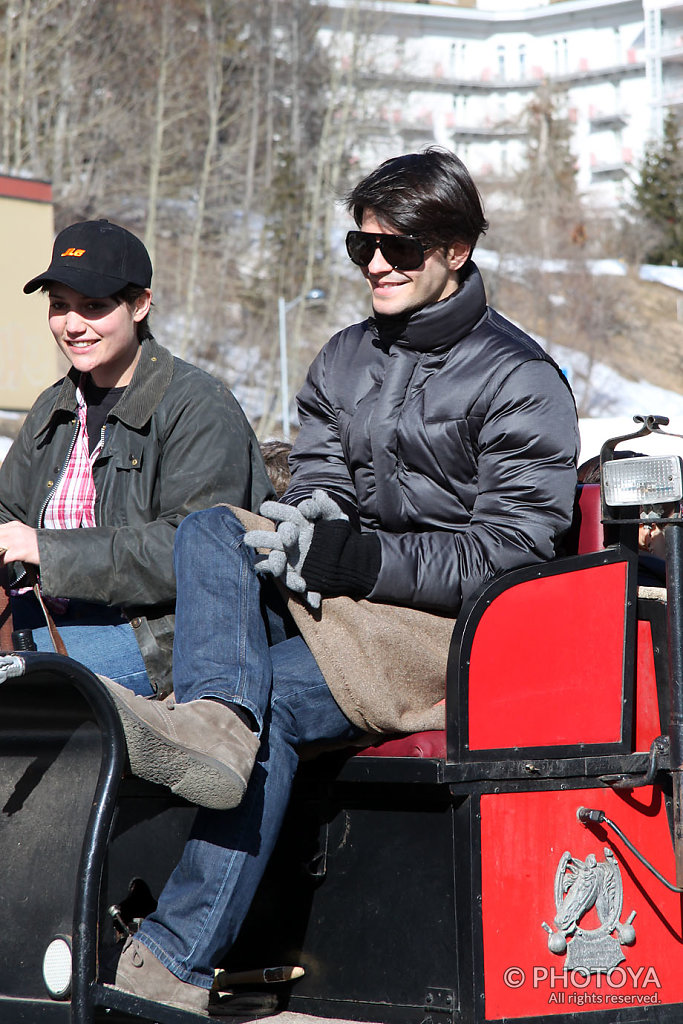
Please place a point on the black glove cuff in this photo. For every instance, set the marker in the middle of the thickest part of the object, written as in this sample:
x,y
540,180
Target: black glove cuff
x,y
341,561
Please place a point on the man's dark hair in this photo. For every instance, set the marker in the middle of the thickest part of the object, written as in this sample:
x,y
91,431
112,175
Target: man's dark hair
x,y
428,194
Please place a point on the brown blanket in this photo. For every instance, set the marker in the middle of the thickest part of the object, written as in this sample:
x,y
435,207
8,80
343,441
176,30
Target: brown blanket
x,y
385,665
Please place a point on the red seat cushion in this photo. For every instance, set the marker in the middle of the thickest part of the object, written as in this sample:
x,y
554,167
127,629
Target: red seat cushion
x,y
418,744
591,534
433,744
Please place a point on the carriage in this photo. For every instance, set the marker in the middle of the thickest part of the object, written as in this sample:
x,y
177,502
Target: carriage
x,y
524,864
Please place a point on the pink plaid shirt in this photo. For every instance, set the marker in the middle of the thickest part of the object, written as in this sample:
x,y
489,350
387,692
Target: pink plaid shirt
x,y
72,503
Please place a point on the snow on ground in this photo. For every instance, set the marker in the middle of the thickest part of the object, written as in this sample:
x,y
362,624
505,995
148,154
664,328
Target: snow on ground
x,y
594,432
671,276
5,443
613,401
488,259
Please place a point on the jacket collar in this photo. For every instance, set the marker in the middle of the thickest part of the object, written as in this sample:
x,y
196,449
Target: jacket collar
x,y
441,324
151,377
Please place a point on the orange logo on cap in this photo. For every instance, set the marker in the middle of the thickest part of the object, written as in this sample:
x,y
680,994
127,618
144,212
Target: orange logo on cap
x,y
73,252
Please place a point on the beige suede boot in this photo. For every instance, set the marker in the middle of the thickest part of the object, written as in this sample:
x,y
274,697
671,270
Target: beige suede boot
x,y
201,749
140,973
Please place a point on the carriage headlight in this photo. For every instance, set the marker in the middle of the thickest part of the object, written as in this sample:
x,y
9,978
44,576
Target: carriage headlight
x,y
648,481
57,967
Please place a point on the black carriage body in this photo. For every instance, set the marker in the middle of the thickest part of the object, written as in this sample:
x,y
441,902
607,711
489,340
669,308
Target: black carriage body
x,y
416,881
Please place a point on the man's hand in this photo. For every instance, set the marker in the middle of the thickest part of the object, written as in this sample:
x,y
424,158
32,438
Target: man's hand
x,y
19,543
315,551
288,546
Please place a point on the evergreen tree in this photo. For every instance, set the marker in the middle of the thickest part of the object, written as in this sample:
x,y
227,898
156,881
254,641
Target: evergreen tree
x,y
659,194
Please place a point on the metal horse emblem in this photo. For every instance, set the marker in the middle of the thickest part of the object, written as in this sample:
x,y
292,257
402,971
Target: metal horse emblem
x,y
579,886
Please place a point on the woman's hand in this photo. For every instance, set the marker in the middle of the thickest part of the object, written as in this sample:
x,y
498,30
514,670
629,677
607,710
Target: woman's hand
x,y
19,543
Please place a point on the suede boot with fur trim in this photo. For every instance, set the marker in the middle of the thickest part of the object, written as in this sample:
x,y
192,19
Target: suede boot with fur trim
x,y
201,749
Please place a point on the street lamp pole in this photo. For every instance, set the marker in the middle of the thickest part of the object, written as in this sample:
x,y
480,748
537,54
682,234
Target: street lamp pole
x,y
283,308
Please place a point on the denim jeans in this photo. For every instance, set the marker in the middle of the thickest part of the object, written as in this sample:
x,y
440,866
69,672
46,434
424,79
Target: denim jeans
x,y
93,634
230,643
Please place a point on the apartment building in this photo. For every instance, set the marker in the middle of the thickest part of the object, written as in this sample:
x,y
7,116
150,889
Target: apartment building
x,y
460,74
663,59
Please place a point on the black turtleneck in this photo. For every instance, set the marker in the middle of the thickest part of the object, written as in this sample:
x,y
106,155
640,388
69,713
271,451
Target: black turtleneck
x,y
433,327
100,402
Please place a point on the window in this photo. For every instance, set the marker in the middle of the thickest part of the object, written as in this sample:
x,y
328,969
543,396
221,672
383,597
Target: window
x,y
501,61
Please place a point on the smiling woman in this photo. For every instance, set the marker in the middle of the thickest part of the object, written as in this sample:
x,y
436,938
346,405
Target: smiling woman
x,y
98,336
110,460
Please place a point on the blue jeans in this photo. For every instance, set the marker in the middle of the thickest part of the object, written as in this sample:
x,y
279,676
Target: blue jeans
x,y
95,635
230,643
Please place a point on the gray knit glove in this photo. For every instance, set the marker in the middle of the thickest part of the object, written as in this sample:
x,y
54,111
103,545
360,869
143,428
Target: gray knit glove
x,y
288,546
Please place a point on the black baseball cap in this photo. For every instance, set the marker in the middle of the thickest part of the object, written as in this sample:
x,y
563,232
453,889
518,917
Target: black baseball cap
x,y
96,258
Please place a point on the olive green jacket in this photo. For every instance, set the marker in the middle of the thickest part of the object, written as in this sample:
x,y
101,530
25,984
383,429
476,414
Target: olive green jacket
x,y
177,441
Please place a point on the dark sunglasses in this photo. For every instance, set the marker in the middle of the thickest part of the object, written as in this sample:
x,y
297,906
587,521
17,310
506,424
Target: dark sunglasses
x,y
402,252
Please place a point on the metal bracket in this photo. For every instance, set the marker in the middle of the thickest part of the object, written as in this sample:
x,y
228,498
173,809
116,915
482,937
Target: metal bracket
x,y
439,1002
659,760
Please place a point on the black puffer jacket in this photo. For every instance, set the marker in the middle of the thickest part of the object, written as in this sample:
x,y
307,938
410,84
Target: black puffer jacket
x,y
453,435
177,441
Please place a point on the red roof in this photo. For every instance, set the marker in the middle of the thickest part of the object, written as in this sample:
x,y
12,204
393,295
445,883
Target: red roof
x,y
25,188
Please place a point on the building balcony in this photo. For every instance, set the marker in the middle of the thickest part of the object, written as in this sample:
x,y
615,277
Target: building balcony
x,y
611,169
487,83
669,6
416,131
421,126
502,131
600,121
673,97
400,80
608,171
394,122
612,72
671,56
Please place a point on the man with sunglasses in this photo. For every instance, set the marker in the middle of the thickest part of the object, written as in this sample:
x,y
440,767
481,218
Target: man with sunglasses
x,y
408,272
437,448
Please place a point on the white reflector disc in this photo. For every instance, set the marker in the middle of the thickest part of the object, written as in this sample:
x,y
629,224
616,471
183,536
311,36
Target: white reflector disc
x,y
57,968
